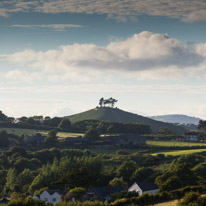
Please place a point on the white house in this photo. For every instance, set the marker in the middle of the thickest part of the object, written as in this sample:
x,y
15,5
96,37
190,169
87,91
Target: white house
x,y
144,187
191,137
50,196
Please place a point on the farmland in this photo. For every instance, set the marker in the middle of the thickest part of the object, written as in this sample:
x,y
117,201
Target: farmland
x,y
156,147
169,203
19,131
174,144
180,152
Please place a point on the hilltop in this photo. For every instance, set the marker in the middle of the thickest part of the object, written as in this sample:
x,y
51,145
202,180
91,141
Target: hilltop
x,y
177,118
118,115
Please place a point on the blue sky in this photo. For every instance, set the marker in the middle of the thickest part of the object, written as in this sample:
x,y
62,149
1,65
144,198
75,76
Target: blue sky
x,y
60,57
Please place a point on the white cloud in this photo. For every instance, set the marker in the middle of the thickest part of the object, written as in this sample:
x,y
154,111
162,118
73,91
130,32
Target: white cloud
x,y
55,27
144,55
122,18
19,75
186,10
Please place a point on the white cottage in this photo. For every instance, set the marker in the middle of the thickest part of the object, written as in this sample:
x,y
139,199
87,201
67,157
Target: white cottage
x,y
50,196
144,187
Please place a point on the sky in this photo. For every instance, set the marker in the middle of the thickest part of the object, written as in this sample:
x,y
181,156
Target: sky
x,y
60,57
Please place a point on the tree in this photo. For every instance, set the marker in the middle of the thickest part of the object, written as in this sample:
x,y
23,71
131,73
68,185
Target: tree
x,y
22,119
172,183
10,181
24,179
126,169
77,192
65,124
199,172
142,174
112,129
51,139
4,139
3,117
118,182
167,131
54,122
91,134
202,125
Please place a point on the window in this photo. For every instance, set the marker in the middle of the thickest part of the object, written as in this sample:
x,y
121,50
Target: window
x,y
54,199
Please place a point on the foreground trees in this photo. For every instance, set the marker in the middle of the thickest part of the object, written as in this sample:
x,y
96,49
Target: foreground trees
x,y
4,139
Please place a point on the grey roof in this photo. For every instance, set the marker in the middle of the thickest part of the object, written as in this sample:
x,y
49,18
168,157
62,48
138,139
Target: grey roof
x,y
147,186
105,192
51,192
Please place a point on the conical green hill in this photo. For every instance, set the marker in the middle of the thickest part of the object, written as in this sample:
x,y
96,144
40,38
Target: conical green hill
x,y
118,115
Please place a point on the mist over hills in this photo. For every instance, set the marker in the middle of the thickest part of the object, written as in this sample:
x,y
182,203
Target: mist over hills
x,y
177,118
118,115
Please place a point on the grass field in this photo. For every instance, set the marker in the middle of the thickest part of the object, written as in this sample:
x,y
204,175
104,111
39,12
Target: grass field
x,y
180,152
169,203
19,131
112,151
68,134
174,144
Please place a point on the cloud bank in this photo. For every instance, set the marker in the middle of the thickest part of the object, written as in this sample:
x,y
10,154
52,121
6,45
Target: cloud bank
x,y
186,10
143,55
55,27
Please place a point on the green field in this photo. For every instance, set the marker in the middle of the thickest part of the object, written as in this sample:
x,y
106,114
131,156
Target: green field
x,y
174,144
19,131
112,151
169,203
180,152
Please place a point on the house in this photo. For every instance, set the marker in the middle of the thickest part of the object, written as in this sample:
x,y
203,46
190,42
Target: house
x,y
50,196
75,139
34,139
101,193
5,200
144,187
191,136
129,140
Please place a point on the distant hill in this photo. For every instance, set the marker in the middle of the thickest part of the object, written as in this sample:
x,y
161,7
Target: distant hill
x,y
177,118
117,115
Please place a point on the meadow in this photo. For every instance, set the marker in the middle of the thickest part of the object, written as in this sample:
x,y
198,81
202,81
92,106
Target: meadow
x,y
19,131
157,145
180,152
174,144
169,203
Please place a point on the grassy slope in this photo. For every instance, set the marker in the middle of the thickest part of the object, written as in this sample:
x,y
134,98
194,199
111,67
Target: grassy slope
x,y
169,203
181,152
19,131
174,144
117,115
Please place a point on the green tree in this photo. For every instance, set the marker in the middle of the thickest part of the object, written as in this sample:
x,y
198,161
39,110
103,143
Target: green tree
x,y
65,124
77,192
10,181
200,172
4,139
142,174
51,139
3,117
202,125
118,182
171,183
112,129
54,122
190,199
24,179
91,134
167,131
126,169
